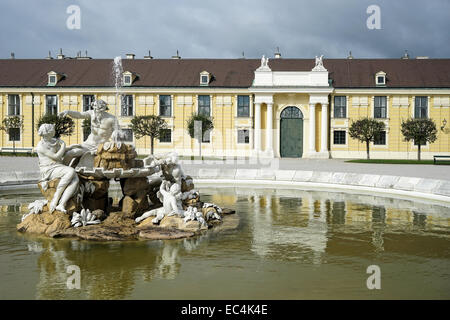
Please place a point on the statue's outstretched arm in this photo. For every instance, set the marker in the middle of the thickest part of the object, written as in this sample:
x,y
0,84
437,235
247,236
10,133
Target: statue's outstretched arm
x,y
75,114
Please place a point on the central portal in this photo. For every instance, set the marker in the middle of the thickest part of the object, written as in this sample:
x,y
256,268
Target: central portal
x,y
291,133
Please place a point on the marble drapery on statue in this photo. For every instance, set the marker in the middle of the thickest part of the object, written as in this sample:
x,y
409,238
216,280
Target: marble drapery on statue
x,y
50,151
104,126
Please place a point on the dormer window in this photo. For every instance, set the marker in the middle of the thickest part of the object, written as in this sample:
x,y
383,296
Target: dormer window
x,y
53,78
205,77
380,78
128,78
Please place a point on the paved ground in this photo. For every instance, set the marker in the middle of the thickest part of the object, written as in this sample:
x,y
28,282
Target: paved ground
x,y
331,165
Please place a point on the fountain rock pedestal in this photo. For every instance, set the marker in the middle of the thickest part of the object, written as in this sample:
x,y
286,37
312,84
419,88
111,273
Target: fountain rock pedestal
x,y
153,187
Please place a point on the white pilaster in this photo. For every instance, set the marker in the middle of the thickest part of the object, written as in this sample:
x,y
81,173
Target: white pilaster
x,y
312,128
324,129
269,130
257,127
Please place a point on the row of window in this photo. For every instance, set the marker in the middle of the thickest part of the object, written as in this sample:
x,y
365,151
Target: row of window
x,y
127,105
165,135
380,107
339,137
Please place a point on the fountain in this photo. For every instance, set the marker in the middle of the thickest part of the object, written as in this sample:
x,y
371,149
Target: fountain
x,y
158,202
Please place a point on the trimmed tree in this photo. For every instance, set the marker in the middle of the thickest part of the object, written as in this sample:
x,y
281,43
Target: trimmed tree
x,y
199,132
64,126
150,126
420,131
365,130
10,123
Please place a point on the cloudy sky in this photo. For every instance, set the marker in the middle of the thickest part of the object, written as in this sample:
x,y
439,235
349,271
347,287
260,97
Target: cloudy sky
x,y
226,28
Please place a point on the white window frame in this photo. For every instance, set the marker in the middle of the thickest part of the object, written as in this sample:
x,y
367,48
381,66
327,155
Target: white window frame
x,y
414,106
387,107
133,113
171,137
346,137
210,104
171,105
57,102
237,136
20,104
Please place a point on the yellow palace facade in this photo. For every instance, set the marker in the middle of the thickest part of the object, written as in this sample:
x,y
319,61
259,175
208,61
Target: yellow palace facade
x,y
295,108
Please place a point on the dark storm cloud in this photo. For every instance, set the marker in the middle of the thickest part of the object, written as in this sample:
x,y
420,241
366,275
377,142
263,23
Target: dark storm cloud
x,y
224,29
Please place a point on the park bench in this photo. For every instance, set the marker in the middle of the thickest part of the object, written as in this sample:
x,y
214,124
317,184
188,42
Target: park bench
x,y
436,157
18,150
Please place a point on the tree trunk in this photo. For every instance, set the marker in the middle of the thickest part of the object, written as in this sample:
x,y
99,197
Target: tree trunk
x,y
152,142
367,149
14,146
418,152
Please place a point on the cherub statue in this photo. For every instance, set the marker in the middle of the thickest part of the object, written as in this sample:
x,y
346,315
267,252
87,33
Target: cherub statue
x,y
50,151
170,196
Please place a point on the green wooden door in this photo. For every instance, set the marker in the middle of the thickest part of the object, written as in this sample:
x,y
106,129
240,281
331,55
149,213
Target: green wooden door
x,y
291,133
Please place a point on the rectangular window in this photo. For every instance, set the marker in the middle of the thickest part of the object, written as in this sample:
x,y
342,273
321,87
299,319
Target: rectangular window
x,y
243,136
165,106
204,105
52,104
87,102
243,107
14,134
380,139
340,107
128,135
380,107
165,135
339,137
127,106
421,107
206,137
13,105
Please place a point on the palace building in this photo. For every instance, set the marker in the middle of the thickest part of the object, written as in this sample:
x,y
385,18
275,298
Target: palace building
x,y
297,108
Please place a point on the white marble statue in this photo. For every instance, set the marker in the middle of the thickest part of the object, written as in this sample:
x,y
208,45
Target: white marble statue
x,y
170,196
104,126
50,151
319,64
264,62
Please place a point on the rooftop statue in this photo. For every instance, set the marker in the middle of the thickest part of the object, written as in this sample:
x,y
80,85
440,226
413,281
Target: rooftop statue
x,y
319,64
50,151
104,126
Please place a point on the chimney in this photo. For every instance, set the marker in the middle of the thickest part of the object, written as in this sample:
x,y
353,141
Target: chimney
x,y
130,56
80,57
177,56
60,55
13,56
149,55
406,55
278,54
49,57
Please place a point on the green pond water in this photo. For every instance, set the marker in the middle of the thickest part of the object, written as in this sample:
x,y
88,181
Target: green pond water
x,y
290,244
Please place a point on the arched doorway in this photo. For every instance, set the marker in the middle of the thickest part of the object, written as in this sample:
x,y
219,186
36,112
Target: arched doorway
x,y
291,133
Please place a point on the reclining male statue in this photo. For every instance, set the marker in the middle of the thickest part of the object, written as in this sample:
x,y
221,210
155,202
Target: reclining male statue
x,y
104,126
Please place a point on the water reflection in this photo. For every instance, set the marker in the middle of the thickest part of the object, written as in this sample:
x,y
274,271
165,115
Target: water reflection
x,y
283,226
